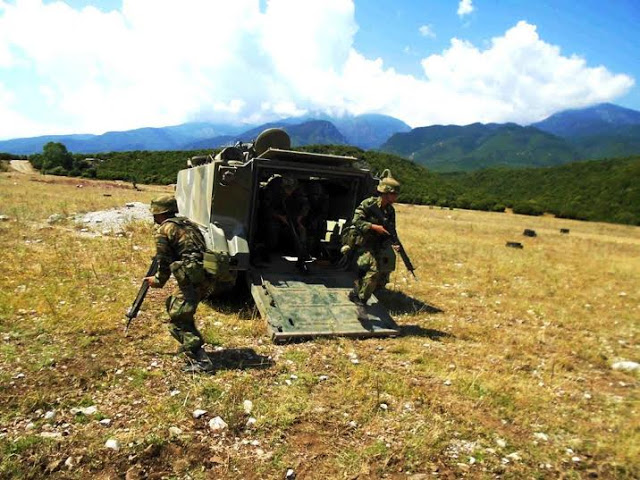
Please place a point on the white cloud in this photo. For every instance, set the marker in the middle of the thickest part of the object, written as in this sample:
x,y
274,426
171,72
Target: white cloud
x,y
88,71
427,31
520,77
465,7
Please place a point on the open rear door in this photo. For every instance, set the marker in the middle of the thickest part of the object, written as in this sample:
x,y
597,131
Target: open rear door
x,y
316,304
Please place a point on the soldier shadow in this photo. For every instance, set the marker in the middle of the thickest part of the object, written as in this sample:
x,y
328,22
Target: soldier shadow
x,y
398,303
239,359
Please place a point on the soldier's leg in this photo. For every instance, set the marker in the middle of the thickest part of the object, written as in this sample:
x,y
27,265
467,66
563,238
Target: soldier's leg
x,y
181,307
368,276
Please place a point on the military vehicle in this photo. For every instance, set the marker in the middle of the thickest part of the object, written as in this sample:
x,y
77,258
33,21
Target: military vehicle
x,y
299,285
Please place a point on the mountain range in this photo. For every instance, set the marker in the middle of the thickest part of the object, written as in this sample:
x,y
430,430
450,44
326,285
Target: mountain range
x,y
364,131
601,131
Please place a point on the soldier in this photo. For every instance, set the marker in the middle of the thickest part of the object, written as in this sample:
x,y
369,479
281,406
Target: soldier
x,y
376,256
286,208
180,246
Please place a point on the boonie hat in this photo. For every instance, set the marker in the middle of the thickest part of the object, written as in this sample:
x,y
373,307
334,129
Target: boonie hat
x,y
164,204
388,184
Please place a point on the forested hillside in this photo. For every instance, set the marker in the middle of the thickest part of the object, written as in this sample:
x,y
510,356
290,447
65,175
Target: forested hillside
x,y
477,146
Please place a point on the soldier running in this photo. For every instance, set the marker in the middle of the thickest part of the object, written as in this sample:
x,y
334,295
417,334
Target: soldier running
x,y
180,246
376,256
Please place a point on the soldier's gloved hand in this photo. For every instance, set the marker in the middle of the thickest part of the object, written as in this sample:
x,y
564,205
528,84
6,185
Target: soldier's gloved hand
x,y
379,229
153,283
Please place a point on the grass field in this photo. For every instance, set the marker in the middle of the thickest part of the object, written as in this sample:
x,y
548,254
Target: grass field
x,y
504,367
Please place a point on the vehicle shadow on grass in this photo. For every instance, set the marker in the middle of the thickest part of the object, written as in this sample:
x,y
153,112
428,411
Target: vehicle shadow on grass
x,y
239,359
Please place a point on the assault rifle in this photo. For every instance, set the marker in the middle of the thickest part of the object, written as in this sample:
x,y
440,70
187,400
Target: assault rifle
x,y
379,215
137,303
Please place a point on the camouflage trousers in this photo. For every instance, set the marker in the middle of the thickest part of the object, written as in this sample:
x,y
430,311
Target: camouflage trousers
x,y
374,268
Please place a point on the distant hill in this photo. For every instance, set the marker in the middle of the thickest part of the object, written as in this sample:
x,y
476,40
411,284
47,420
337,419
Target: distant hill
x,y
601,131
604,118
165,138
306,133
366,131
478,146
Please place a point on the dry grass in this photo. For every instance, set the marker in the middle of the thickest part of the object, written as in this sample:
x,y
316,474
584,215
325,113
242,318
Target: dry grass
x,y
505,370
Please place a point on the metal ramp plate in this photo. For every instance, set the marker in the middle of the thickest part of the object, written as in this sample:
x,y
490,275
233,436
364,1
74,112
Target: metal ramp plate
x,y
300,306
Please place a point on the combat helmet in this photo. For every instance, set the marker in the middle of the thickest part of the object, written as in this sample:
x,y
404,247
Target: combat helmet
x,y
164,204
388,184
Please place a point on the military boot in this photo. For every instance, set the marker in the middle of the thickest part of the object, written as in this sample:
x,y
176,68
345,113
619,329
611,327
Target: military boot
x,y
360,306
198,362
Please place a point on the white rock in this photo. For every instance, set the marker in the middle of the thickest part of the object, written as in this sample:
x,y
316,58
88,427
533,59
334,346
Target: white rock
x,y
105,422
30,426
175,392
251,422
50,415
92,410
541,436
290,475
112,444
322,378
626,365
447,382
199,413
576,459
353,424
175,431
217,424
248,406
293,377
69,462
384,406
501,443
514,456
51,435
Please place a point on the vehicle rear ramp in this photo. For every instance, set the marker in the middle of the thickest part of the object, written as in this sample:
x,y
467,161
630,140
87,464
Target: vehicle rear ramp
x,y
315,304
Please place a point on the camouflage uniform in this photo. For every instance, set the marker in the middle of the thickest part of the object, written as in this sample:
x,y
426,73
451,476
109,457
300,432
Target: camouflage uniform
x,y
180,246
376,258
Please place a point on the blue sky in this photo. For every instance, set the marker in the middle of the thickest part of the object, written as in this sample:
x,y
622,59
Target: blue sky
x,y
84,66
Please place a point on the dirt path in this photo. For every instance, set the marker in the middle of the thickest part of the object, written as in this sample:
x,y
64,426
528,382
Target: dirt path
x,y
22,166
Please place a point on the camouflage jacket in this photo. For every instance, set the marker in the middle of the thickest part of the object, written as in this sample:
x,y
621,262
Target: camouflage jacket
x,y
363,219
177,239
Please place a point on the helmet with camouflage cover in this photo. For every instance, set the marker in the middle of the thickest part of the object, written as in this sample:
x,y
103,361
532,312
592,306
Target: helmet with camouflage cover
x,y
388,184
164,204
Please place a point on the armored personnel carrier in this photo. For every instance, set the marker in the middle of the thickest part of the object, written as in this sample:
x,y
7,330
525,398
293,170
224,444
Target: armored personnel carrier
x,y
297,282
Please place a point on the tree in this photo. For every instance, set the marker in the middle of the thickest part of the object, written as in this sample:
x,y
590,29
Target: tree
x,y
54,155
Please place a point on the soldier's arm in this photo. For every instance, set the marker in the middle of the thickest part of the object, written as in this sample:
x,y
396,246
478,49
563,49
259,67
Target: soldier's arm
x,y
360,218
164,254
